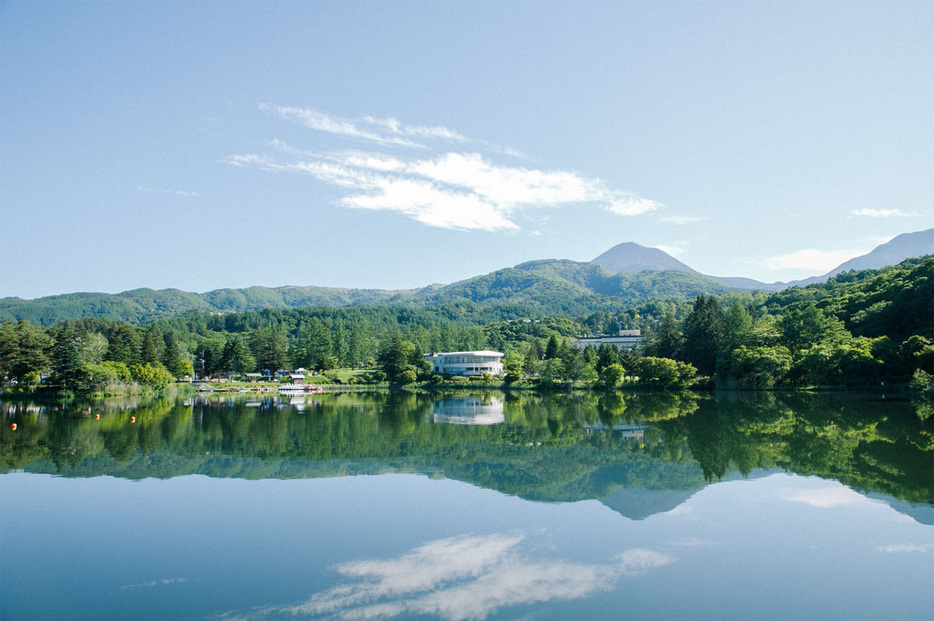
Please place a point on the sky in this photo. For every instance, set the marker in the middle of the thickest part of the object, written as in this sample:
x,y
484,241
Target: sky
x,y
393,145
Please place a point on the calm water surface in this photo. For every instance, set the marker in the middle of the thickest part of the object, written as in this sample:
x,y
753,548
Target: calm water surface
x,y
482,506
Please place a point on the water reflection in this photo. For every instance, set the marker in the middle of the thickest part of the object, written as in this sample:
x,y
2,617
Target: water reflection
x,y
539,447
466,577
470,410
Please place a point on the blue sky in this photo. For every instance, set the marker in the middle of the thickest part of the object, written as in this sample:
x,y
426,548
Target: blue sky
x,y
202,145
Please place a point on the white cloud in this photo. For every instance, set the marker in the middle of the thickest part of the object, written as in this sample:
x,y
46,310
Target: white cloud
x,y
899,548
631,205
674,251
692,542
882,213
830,497
467,577
154,583
432,206
682,220
450,189
810,259
380,131
161,191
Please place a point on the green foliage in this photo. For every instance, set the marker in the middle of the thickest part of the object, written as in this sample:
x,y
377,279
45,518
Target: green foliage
x,y
759,367
702,331
236,356
668,342
270,349
664,372
25,350
859,328
613,375
923,382
154,375
536,288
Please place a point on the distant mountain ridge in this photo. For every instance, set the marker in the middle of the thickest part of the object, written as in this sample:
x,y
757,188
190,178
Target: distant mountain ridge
x,y
904,246
627,274
631,257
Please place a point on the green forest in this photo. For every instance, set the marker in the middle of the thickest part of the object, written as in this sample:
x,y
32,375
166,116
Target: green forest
x,y
859,329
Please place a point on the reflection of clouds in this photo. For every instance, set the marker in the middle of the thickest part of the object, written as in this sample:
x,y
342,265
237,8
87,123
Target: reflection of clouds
x,y
154,583
905,547
466,577
692,542
830,497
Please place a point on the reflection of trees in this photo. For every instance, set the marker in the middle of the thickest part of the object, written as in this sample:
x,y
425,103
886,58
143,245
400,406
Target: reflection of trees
x,y
551,447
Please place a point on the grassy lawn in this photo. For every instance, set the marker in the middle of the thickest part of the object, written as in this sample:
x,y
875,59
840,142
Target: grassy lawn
x,y
343,374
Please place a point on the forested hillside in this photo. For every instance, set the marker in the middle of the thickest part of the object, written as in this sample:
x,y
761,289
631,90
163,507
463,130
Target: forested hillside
x,y
536,288
144,305
859,328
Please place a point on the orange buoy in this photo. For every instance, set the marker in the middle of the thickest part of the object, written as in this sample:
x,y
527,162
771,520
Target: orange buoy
x,y
97,417
132,419
13,426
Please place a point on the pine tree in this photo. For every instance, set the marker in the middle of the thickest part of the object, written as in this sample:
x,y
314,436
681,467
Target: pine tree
x,y
668,342
703,328
553,349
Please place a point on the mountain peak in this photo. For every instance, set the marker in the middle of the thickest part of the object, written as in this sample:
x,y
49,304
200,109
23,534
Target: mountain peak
x,y
630,257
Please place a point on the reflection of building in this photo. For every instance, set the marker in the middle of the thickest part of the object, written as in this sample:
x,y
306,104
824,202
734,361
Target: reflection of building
x,y
470,411
628,339
627,432
467,362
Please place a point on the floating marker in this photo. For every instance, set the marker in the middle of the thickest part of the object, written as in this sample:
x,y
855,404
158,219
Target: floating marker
x,y
13,426
132,419
97,417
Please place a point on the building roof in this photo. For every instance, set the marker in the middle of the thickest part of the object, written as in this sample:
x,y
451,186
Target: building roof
x,y
485,352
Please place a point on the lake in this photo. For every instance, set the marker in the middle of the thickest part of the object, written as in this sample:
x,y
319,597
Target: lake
x,y
468,506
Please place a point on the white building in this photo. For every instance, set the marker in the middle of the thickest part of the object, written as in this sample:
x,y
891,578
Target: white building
x,y
629,339
470,411
467,362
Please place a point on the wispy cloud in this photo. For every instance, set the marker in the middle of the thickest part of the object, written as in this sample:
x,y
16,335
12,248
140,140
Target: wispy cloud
x,y
810,259
631,205
693,542
142,188
901,548
830,497
883,213
455,189
369,128
674,251
154,583
682,220
467,577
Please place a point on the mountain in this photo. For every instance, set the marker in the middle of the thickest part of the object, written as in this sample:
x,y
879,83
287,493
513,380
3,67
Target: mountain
x,y
556,286
905,246
629,257
143,305
548,287
626,275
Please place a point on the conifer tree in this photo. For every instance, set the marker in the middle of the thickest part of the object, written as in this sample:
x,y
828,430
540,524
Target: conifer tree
x,y
703,328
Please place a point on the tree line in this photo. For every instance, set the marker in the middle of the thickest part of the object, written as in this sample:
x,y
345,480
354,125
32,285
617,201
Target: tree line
x,y
860,328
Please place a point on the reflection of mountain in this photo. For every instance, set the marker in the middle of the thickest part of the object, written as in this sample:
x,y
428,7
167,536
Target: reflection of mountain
x,y
470,411
641,453
639,503
923,514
